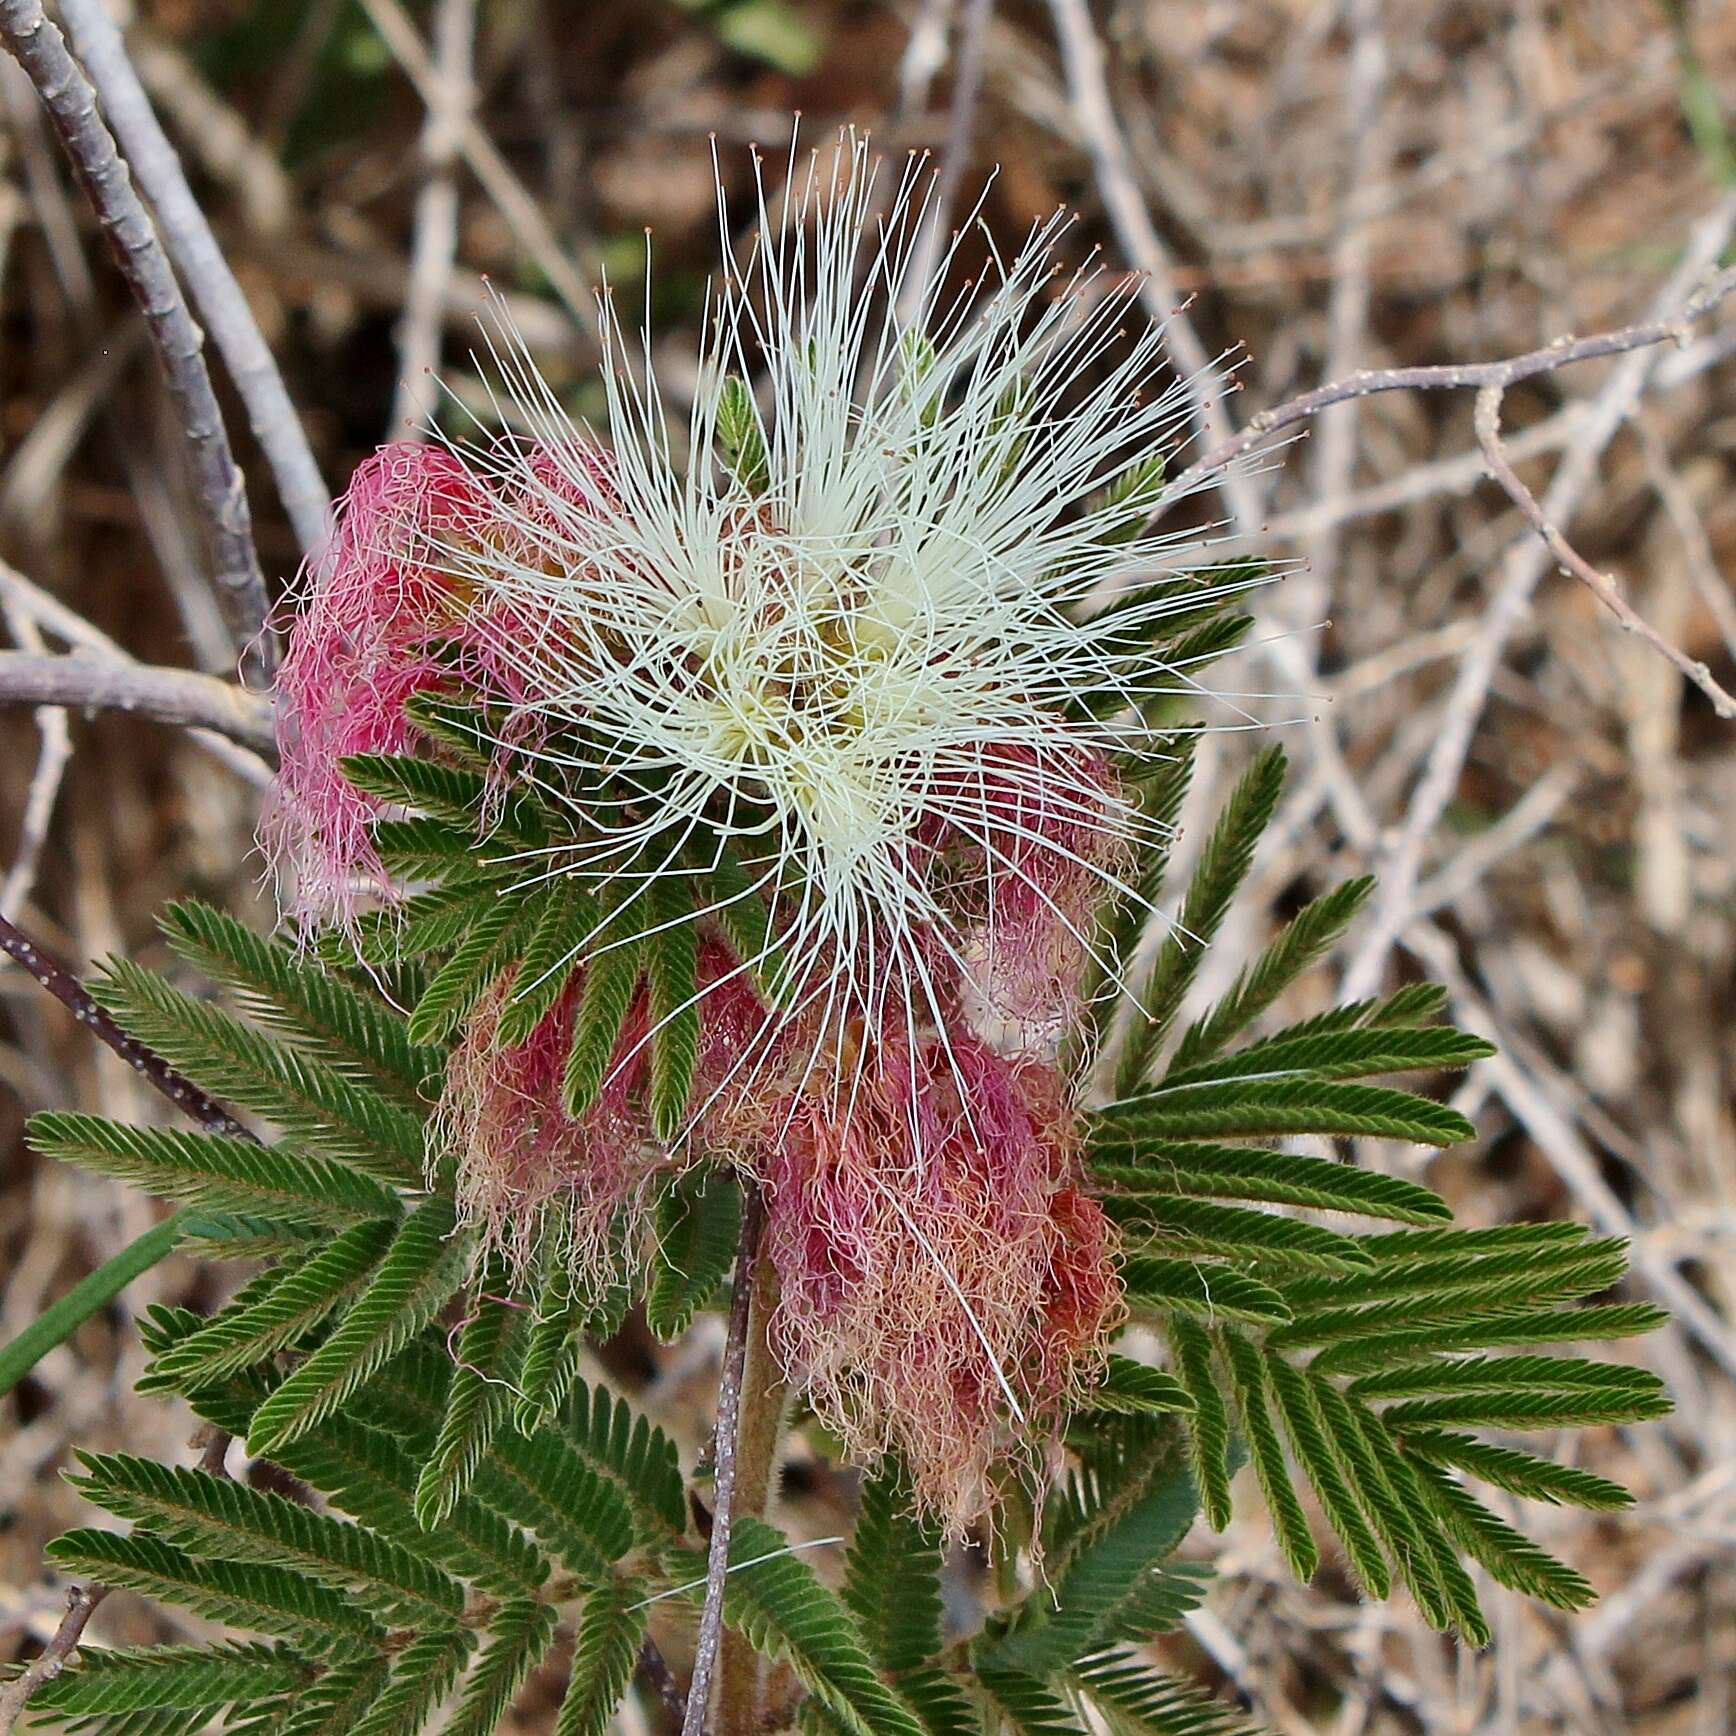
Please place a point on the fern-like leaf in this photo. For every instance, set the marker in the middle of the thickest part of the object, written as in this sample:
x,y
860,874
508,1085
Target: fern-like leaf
x,y
415,1279
422,1675
552,952
478,1399
222,1520
1251,1173
316,1009
1224,865
671,963
611,1630
610,978
108,1683
776,1601
1152,1285
305,1097
1301,943
216,1171
519,1638
698,1225
288,1303
244,1594
1263,1109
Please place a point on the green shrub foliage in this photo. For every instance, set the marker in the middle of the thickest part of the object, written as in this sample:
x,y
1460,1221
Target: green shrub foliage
x,y
466,1509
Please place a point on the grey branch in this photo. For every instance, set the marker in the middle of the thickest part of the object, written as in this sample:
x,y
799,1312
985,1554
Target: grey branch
x,y
723,1483
176,696
1464,376
1572,562
153,159
81,1605
217,483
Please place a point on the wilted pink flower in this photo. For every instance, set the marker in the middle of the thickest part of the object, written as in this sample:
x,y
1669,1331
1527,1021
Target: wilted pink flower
x,y
944,1290
386,612
526,1169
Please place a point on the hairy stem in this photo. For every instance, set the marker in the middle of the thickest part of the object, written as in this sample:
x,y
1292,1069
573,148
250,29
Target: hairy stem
x,y
729,1393
759,1434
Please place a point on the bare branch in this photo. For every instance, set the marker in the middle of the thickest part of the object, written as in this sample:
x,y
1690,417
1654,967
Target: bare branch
x,y
434,243
1564,352
1400,861
177,696
153,159
723,1512
58,979
522,213
1571,561
218,486
81,1605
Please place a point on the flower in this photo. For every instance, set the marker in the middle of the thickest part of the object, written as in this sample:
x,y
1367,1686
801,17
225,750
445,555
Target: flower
x,y
876,634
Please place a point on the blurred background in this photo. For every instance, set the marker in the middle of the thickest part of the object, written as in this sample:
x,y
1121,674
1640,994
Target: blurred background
x,y
1322,186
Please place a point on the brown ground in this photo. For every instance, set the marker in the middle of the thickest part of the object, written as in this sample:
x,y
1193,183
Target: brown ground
x,y
1337,186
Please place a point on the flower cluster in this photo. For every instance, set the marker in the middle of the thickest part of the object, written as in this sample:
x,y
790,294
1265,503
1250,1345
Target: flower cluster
x,y
855,655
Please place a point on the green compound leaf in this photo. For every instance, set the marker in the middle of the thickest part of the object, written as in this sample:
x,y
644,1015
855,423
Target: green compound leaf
x,y
519,1637
1262,1109
1253,1392
107,1683
222,1520
552,952
1251,1173
611,1630
1129,1388
305,1097
1224,865
776,1601
478,1399
1171,1220
1152,1285
280,1309
244,1594
1519,1473
479,958
698,1225
1208,1433
892,1578
611,975
417,1277
550,1358
336,1702
1136,1700
1300,945
421,1677
215,1170
314,1008
671,949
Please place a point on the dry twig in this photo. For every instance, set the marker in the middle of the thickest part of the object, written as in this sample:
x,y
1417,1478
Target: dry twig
x,y
152,158
434,228
222,495
1571,561
729,1392
50,973
176,696
522,213
81,1605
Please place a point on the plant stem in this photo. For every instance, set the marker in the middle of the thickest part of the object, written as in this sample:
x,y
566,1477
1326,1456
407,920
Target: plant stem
x,y
729,1393
759,1433
61,1319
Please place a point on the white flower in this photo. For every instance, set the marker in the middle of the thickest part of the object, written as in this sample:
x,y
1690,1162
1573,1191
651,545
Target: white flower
x,y
868,634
